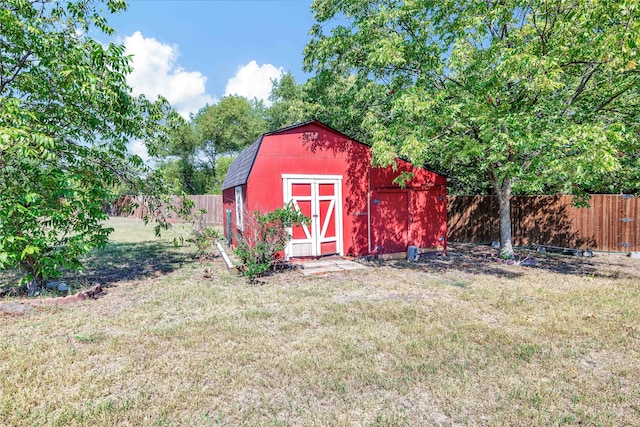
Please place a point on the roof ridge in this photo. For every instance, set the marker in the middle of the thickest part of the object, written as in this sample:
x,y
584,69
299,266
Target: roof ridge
x,y
240,168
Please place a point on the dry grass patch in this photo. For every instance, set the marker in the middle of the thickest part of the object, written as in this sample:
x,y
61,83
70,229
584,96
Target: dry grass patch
x,y
398,344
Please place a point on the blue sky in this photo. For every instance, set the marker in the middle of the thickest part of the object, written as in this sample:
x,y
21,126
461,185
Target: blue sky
x,y
195,52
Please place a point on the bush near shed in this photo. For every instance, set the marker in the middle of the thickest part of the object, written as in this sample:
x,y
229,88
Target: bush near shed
x,y
264,237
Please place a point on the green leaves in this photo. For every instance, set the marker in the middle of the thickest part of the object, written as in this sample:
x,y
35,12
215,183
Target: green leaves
x,y
498,84
264,236
66,115
195,154
533,97
29,250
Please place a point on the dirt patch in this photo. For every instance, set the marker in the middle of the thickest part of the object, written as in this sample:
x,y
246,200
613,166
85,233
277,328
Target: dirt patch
x,y
482,259
14,308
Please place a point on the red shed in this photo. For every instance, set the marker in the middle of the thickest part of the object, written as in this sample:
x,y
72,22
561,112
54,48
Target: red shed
x,y
355,209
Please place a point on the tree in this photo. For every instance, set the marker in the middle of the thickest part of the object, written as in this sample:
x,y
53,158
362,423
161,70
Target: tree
x,y
195,156
289,105
178,162
66,116
338,101
530,94
227,127
222,166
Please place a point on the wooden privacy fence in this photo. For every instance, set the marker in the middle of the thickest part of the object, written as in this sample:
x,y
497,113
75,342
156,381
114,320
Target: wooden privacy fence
x,y
211,203
611,223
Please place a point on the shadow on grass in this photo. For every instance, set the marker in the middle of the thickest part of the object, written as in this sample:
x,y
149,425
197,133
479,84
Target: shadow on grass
x,y
483,260
129,261
115,263
440,264
9,278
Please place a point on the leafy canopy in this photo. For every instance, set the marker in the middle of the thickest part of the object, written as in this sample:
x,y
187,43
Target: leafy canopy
x,y
197,153
521,87
536,96
66,115
228,126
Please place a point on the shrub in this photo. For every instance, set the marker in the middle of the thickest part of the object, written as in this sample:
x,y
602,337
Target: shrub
x,y
204,239
264,236
201,236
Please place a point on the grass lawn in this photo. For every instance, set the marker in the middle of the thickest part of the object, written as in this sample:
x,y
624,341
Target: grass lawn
x,y
458,341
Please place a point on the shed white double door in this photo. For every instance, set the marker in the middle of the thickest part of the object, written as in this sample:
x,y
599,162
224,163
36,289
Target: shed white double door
x,y
318,197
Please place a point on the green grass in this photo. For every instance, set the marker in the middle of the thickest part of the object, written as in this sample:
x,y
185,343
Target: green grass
x,y
389,346
134,252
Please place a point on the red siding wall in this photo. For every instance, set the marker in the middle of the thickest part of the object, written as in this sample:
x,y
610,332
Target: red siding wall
x,y
415,215
315,150
417,212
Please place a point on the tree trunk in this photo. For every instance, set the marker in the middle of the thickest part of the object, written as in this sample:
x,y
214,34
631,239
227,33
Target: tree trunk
x,y
504,195
33,288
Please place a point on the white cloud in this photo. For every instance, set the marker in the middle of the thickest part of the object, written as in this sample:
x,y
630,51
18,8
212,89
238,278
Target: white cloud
x,y
253,81
156,72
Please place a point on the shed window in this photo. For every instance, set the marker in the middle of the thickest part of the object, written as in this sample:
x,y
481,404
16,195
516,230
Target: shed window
x,y
239,208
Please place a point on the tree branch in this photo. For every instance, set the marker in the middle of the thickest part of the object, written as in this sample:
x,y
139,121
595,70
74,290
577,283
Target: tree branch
x,y
588,73
615,96
18,69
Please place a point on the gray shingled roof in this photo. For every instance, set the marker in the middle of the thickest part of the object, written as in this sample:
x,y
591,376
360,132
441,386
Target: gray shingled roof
x,y
240,168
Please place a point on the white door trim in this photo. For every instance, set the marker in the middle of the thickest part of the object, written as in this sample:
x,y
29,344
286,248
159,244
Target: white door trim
x,y
316,233
311,177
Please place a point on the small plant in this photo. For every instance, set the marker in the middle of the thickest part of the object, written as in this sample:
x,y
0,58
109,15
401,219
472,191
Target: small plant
x,y
204,239
507,256
526,352
265,235
91,337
